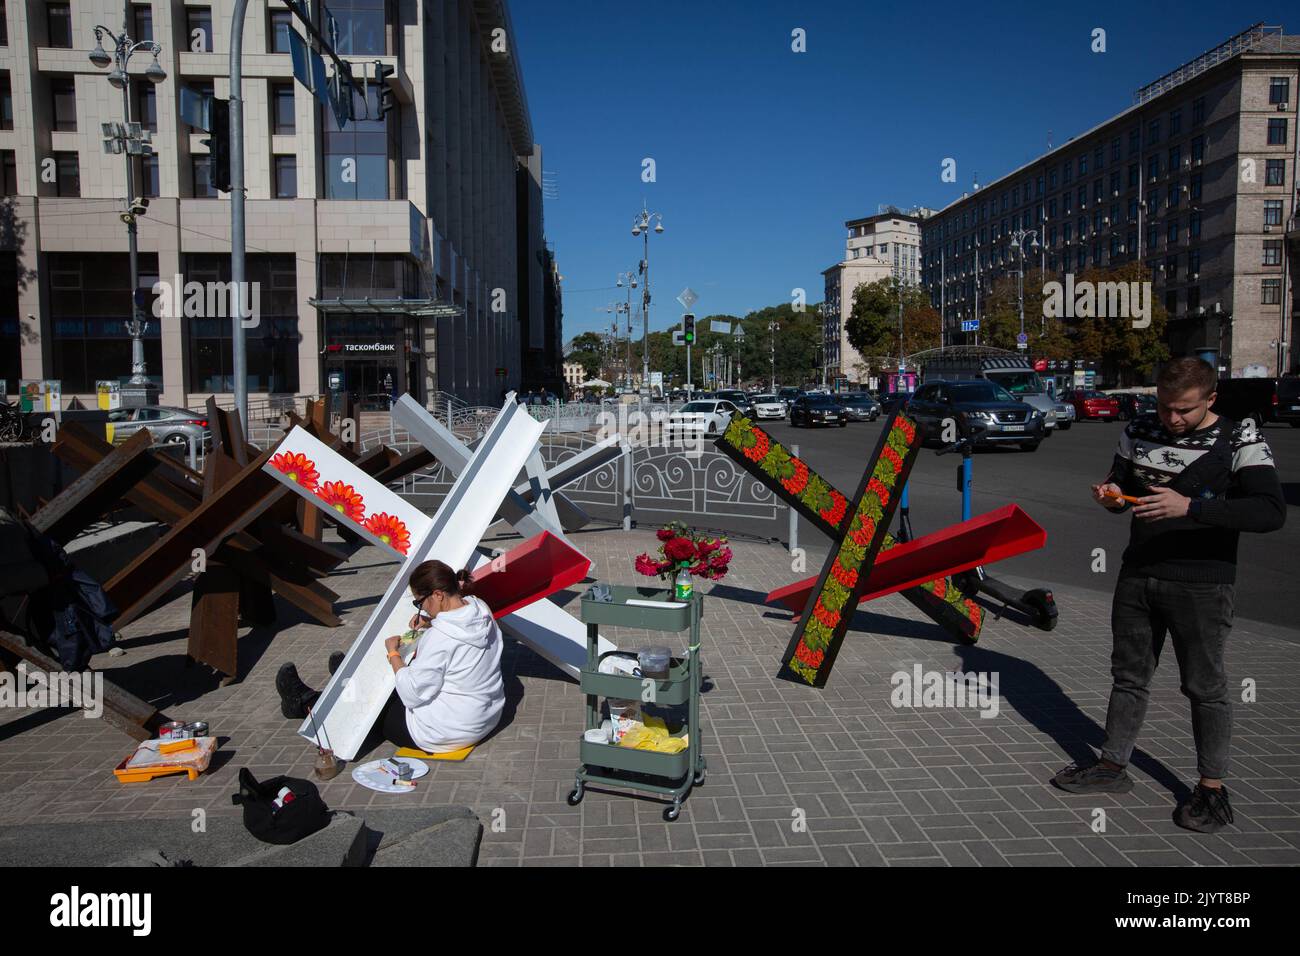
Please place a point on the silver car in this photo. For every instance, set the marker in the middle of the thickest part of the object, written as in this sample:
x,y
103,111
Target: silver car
x,y
167,425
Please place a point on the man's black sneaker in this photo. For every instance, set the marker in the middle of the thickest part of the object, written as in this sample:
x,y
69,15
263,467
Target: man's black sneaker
x,y
1207,811
1094,778
336,659
295,695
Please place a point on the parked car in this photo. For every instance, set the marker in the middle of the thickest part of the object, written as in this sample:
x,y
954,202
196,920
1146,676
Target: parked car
x,y
817,410
768,406
891,400
994,415
1065,416
1133,404
701,417
737,398
860,406
1288,400
1257,399
1090,403
167,425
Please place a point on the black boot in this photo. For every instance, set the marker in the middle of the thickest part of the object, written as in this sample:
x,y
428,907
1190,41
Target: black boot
x,y
295,695
336,659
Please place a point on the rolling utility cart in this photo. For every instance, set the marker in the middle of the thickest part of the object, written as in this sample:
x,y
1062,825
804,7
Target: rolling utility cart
x,y
672,775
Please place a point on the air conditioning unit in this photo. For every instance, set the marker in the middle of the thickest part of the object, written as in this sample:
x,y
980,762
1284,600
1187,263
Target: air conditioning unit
x,y
1283,107
1193,276
1114,192
1187,162
1151,179
1267,227
1186,188
1200,310
1197,162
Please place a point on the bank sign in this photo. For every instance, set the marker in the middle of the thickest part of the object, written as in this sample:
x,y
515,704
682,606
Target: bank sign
x,y
363,347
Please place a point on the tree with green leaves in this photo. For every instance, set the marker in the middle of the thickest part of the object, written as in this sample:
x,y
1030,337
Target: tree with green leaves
x,y
588,351
873,323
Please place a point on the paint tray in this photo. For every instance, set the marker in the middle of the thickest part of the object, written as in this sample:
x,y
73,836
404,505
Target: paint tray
x,y
147,763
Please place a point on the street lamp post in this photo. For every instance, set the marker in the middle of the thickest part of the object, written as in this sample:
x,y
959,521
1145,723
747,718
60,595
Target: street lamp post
x,y
1023,241
773,328
627,308
641,227
131,145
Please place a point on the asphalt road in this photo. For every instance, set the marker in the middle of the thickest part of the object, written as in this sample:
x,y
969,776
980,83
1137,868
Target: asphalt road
x,y
1052,486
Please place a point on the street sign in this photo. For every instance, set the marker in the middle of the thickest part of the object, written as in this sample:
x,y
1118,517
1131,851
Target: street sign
x,y
722,328
679,337
309,70
687,298
1022,338
970,325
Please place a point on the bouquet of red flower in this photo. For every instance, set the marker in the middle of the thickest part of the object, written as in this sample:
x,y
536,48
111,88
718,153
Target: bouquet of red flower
x,y
681,547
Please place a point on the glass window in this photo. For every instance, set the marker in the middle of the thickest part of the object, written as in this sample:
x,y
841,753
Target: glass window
x,y
361,27
201,170
142,22
1068,172
1270,291
1175,158
4,25
1175,122
6,101
1194,263
1171,268
1198,150
1272,212
356,158
90,298
1051,178
1277,132
1279,89
1134,141
1171,302
67,178
1098,158
149,176
1083,165
198,27
1194,187
1194,225
1153,132
286,177
1114,150
1198,111
1133,175
1153,168
1272,252
58,24
8,177
281,22
282,114
1171,232
63,100
1275,172
272,346
145,111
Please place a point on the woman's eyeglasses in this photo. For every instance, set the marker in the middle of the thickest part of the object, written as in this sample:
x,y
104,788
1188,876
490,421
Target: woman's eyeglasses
x,y
419,602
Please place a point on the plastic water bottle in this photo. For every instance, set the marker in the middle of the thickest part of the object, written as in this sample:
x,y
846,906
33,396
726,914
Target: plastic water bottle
x,y
682,586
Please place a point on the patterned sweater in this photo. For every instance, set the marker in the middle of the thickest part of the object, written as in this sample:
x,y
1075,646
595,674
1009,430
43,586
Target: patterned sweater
x,y
1198,548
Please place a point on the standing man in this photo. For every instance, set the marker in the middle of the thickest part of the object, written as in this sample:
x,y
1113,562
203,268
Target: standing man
x,y
1199,480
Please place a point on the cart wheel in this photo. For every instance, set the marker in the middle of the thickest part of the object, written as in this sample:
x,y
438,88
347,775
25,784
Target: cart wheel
x,y
698,780
673,812
575,796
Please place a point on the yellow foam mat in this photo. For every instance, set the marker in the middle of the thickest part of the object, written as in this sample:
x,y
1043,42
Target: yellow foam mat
x,y
449,755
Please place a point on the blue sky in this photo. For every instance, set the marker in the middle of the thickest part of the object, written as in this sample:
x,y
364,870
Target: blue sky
x,y
761,153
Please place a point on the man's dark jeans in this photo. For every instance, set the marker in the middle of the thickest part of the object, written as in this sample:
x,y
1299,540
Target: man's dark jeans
x,y
1199,616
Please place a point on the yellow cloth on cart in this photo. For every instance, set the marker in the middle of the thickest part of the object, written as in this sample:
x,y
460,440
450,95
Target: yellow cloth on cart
x,y
653,735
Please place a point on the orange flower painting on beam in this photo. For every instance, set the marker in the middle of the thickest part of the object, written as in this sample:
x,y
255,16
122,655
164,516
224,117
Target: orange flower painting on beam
x,y
343,498
390,530
297,467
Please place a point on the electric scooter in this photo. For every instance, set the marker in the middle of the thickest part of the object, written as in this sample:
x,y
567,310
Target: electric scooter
x,y
1037,604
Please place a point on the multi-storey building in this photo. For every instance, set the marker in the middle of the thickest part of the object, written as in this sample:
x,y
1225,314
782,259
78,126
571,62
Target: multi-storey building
x,y
1197,180
394,254
878,247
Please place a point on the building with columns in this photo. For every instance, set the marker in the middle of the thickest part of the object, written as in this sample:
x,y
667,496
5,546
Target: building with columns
x,y
396,254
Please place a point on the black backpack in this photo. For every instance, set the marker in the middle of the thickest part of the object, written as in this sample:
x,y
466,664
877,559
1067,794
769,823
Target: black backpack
x,y
300,817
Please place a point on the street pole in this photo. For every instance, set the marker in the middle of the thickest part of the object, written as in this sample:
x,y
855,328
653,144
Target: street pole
x,y
238,274
123,49
641,227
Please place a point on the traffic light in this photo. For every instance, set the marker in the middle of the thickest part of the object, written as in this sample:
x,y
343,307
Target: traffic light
x,y
218,145
688,328
387,97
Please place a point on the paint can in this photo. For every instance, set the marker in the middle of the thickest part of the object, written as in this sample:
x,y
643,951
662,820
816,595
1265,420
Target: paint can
x,y
172,730
198,728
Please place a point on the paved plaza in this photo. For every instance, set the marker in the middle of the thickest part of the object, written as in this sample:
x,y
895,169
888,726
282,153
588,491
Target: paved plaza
x,y
795,775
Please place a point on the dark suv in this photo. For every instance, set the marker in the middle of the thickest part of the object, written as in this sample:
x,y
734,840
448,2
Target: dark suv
x,y
1259,399
1288,400
994,415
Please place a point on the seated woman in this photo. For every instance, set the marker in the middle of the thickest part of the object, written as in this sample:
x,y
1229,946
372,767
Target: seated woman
x,y
450,693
